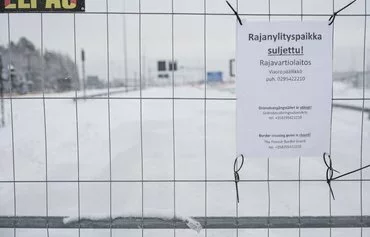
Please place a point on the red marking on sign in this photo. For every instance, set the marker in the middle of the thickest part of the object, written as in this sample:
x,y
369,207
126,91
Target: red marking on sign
x,y
7,2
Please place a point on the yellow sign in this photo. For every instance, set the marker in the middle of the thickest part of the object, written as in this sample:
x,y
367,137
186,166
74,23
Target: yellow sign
x,y
41,5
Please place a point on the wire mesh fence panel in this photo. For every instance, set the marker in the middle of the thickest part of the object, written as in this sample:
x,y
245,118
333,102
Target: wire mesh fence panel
x,y
111,144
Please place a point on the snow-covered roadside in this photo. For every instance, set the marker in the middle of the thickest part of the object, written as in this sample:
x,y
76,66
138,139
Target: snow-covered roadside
x,y
158,162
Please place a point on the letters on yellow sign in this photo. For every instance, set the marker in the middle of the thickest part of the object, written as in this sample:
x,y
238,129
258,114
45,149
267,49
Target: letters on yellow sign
x,y
66,4
49,4
22,4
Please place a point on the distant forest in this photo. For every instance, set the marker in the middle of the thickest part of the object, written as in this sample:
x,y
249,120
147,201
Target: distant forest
x,y
26,61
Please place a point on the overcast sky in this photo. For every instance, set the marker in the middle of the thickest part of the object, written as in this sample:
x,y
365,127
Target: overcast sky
x,y
91,32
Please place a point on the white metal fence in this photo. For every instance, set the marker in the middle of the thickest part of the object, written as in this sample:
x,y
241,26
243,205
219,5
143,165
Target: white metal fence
x,y
152,161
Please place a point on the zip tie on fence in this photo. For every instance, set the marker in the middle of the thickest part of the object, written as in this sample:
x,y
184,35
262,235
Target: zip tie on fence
x,y
235,12
236,174
330,171
332,17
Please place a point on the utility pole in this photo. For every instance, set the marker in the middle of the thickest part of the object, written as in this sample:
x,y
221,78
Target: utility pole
x,y
2,93
143,72
125,46
83,72
136,80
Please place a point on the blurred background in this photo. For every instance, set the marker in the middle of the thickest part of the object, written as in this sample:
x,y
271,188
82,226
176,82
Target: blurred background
x,y
191,47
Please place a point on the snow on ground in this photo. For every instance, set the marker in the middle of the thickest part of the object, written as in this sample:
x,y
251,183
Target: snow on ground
x,y
160,155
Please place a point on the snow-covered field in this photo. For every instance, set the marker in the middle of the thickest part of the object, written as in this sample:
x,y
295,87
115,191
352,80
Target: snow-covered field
x,y
185,156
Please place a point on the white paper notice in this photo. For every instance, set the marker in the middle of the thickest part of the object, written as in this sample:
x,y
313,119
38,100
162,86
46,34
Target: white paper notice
x,y
284,88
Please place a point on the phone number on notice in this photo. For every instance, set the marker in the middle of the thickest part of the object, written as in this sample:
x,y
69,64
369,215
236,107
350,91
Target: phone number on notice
x,y
286,117
286,78
288,146
291,78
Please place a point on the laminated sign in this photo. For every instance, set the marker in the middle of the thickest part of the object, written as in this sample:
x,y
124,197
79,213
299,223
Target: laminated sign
x,y
284,88
42,5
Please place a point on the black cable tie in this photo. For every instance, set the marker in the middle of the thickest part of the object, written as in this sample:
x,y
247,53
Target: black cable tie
x,y
236,174
332,17
236,14
329,171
